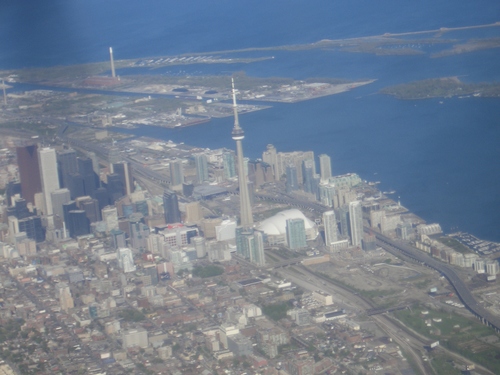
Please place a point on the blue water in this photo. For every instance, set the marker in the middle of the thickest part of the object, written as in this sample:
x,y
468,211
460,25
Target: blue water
x,y
441,158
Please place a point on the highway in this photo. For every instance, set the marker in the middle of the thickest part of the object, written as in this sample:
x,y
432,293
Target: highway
x,y
412,345
396,248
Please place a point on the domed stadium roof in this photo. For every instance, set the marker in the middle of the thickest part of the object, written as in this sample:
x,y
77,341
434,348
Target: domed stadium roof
x,y
276,225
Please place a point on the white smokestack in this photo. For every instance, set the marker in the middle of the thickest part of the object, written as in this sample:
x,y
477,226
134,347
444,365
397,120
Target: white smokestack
x,y
112,62
4,94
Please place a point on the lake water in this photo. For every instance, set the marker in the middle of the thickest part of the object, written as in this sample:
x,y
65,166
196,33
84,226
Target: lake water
x,y
440,155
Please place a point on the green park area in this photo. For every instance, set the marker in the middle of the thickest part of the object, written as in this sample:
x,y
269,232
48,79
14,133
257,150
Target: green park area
x,y
454,244
464,336
207,271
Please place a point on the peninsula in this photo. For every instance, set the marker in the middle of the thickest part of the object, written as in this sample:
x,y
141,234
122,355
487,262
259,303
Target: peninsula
x,y
442,88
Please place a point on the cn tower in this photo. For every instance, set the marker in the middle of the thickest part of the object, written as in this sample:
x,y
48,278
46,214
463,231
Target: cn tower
x,y
246,219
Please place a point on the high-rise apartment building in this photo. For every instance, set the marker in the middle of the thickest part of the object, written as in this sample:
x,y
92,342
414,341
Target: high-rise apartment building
x,y
283,159
326,194
229,165
200,246
256,247
260,173
201,164
356,223
176,172
29,172
48,176
330,224
269,157
325,167
295,234
250,244
308,181
292,182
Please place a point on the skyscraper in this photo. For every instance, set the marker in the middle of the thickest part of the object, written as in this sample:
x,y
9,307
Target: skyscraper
x,y
124,170
125,259
269,156
91,208
308,176
330,224
86,170
29,172
33,228
295,234
228,164
19,209
67,207
110,217
138,231
78,223
326,194
256,247
115,187
75,184
66,161
325,167
250,245
59,197
48,176
176,172
345,226
356,221
292,183
246,219
260,172
201,164
13,188
296,158
101,194
171,207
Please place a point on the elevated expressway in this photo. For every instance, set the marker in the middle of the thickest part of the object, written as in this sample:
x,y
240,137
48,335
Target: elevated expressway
x,y
397,248
400,249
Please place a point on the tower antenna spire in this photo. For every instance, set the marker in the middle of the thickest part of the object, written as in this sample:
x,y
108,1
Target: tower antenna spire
x,y
246,219
235,107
